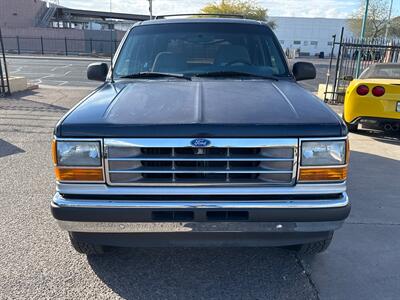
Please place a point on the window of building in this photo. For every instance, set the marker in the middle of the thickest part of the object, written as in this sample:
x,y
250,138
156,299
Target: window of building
x,y
305,43
282,42
314,43
329,43
296,42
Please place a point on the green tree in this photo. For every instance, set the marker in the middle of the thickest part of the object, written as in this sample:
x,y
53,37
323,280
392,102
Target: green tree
x,y
378,13
394,29
248,8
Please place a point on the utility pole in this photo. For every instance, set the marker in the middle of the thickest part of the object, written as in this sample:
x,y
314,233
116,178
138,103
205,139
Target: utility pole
x,y
362,35
388,22
151,9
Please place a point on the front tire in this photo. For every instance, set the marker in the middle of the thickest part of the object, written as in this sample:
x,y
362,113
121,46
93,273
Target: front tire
x,y
311,248
84,247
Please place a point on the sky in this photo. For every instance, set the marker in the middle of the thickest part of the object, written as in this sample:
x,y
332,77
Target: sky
x,y
290,8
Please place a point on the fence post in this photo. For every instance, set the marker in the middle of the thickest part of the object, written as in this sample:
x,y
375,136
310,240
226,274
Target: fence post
x,y
18,47
115,45
328,74
3,76
66,47
91,46
338,61
41,44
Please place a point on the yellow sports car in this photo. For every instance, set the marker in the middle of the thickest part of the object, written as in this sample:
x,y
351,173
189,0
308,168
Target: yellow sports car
x,y
374,98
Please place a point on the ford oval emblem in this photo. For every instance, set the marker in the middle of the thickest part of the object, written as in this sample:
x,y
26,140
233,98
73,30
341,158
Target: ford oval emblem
x,y
200,143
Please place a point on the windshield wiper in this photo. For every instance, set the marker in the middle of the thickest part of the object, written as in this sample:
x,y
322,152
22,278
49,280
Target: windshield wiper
x,y
155,75
235,74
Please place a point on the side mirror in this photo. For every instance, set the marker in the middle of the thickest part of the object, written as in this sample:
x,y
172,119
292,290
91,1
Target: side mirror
x,y
97,71
348,78
304,71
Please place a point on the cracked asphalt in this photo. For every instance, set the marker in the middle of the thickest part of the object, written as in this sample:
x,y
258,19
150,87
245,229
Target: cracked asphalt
x,y
37,261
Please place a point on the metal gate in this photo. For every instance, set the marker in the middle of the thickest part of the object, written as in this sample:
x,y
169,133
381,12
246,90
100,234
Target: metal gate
x,y
4,81
350,52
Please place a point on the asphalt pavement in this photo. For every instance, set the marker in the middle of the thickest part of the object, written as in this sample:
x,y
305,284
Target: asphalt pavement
x,y
71,71
37,261
53,71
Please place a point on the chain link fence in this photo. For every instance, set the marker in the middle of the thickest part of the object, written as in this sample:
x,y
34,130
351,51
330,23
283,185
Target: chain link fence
x,y
59,46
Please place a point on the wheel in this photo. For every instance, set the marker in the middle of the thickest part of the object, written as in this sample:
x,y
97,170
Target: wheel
x,y
352,127
312,248
84,247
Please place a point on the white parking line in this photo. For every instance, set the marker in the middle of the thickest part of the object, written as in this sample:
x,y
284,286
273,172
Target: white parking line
x,y
61,67
20,72
16,71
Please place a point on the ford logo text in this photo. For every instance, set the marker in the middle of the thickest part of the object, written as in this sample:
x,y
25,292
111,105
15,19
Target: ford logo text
x,y
200,143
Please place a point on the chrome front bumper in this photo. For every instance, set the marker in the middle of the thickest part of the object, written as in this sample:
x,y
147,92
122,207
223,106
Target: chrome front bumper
x,y
212,227
341,201
124,216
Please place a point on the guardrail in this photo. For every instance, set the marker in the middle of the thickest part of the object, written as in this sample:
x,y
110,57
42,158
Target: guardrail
x,y
59,46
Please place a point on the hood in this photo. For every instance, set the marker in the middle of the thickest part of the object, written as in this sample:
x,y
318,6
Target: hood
x,y
212,108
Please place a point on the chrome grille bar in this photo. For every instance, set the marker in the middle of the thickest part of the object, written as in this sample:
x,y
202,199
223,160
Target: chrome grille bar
x,y
225,162
209,158
201,170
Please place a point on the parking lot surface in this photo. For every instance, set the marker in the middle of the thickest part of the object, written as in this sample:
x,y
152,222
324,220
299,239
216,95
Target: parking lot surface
x,y
37,261
71,71
53,71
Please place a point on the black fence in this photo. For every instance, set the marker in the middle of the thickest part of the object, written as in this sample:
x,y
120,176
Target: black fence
x,y
354,56
60,46
4,81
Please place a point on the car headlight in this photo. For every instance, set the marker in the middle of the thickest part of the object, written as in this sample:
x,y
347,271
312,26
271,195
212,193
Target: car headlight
x,y
78,154
323,161
323,153
78,161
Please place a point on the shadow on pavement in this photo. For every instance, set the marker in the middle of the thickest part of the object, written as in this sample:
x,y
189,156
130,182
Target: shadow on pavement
x,y
20,114
389,137
274,273
203,273
8,149
363,260
20,102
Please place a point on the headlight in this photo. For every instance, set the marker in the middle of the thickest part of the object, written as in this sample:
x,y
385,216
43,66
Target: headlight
x,y
323,153
78,161
323,161
78,154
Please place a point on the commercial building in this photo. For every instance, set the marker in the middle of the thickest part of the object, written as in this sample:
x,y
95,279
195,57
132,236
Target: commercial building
x,y
310,35
34,26
23,20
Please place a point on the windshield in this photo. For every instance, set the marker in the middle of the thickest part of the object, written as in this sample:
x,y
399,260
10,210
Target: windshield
x,y
199,48
388,71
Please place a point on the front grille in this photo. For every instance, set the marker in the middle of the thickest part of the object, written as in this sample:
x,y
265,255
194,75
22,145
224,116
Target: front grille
x,y
175,162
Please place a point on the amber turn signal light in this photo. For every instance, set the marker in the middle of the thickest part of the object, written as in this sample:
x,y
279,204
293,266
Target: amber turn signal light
x,y
323,174
54,151
79,174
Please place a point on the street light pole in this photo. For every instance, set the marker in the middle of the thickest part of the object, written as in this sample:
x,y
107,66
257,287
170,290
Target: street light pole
x,y
388,22
362,35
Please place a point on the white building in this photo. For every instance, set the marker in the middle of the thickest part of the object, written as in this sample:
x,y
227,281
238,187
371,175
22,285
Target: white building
x,y
310,35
